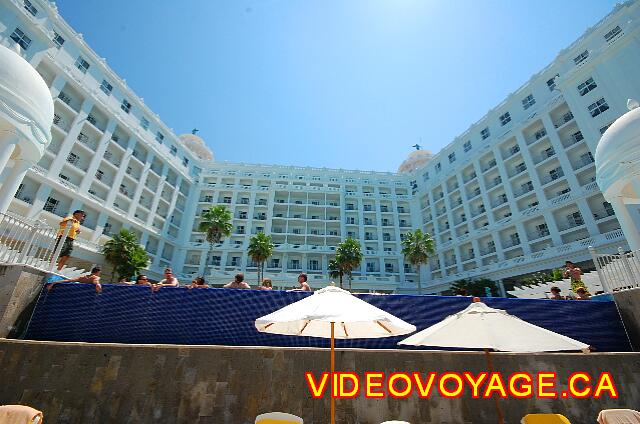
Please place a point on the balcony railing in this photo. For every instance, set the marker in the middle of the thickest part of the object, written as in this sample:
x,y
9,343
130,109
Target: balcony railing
x,y
567,117
552,176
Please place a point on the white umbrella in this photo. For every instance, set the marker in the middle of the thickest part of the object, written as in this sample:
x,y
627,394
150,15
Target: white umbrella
x,y
318,314
480,327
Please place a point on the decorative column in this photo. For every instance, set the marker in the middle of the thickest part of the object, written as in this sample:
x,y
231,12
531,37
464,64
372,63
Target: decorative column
x,y
12,182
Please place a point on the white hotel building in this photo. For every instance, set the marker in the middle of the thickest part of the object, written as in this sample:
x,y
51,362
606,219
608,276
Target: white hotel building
x,y
514,194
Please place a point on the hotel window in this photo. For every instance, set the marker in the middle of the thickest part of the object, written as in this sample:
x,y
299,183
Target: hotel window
x,y
452,157
185,161
505,119
587,86
438,167
598,107
159,137
82,64
174,150
611,34
21,38
126,106
485,133
29,8
106,87
57,39
467,145
51,204
581,57
551,83
144,123
425,176
528,101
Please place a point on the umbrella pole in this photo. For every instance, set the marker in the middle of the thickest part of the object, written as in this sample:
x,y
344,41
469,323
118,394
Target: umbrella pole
x,y
332,400
490,367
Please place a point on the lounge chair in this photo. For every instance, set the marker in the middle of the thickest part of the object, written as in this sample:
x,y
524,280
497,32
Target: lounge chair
x,y
619,416
544,419
278,418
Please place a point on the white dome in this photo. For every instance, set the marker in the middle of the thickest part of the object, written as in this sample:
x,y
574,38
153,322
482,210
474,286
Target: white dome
x,y
618,151
197,146
25,100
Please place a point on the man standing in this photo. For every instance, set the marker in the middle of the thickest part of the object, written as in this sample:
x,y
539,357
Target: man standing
x,y
575,273
302,280
67,245
93,278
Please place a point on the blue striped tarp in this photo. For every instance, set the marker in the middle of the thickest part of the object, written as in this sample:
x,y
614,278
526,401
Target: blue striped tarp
x,y
133,314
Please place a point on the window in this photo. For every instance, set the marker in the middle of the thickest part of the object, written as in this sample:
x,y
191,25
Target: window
x,y
57,39
598,107
485,133
528,101
603,129
587,86
611,34
174,150
467,145
29,8
505,119
185,161
82,64
51,204
438,167
551,83
21,38
581,57
452,157
106,87
144,123
425,176
73,159
126,106
159,137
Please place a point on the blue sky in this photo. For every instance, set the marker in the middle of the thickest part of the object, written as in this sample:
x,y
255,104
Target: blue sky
x,y
329,83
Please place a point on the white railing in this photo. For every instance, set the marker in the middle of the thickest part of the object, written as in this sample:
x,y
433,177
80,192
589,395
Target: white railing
x,y
617,271
28,242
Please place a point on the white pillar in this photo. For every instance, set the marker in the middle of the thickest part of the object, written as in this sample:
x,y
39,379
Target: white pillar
x,y
6,150
12,182
631,232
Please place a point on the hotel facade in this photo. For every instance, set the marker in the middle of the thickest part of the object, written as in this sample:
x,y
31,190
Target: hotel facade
x,y
514,194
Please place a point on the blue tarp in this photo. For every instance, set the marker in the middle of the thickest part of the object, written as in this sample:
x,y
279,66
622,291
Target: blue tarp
x,y
133,314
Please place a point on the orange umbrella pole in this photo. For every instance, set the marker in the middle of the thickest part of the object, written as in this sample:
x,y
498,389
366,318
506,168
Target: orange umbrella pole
x,y
332,400
498,409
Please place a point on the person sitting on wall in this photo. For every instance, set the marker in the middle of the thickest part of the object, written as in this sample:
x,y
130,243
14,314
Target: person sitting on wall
x,y
168,281
302,280
92,278
462,292
581,294
237,283
555,294
67,245
141,280
198,283
575,273
266,284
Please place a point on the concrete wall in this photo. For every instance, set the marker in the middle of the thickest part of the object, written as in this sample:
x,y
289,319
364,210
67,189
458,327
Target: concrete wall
x,y
19,286
109,383
628,302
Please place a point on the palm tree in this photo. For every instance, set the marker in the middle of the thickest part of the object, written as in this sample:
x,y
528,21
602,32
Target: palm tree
x,y
335,269
216,222
260,249
349,256
125,254
417,248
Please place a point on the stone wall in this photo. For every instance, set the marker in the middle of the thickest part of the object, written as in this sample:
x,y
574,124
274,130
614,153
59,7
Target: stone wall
x,y
19,287
110,383
628,302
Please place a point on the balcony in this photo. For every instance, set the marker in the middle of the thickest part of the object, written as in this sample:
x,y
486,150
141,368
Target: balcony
x,y
573,139
496,182
61,123
487,250
499,201
490,165
553,176
600,214
583,162
538,135
549,153
570,223
512,151
538,234
517,170
523,190
566,118
511,243
467,178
